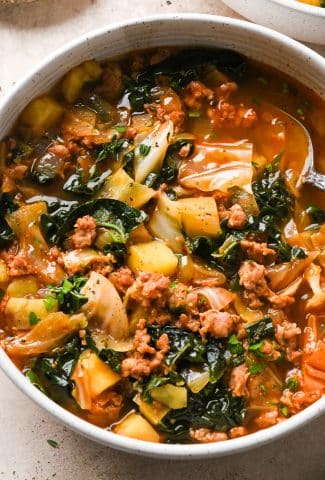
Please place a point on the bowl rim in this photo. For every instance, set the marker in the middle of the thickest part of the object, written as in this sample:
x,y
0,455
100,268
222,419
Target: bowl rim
x,y
313,10
100,435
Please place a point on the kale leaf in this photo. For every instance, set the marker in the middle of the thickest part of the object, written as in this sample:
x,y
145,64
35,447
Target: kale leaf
x,y
317,214
187,65
182,68
108,213
76,183
260,330
214,408
57,367
112,358
68,294
171,164
272,196
111,149
188,348
7,205
58,210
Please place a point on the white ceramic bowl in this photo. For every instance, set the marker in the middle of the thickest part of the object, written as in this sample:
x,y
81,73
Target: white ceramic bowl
x,y
257,42
299,20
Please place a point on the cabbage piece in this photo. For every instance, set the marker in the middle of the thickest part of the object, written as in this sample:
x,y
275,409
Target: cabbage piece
x,y
313,360
150,153
104,307
79,260
218,298
282,274
313,276
46,335
32,246
166,223
219,167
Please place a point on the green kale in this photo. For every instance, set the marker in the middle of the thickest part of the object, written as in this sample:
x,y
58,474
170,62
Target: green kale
x,y
76,183
271,194
138,93
187,65
68,294
317,214
259,330
171,164
7,205
112,358
111,149
108,213
58,210
214,408
188,348
56,368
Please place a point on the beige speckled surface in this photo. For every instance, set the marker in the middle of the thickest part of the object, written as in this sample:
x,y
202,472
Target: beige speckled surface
x,y
27,33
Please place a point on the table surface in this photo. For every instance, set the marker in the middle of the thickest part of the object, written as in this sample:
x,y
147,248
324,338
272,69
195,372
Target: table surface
x,y
28,33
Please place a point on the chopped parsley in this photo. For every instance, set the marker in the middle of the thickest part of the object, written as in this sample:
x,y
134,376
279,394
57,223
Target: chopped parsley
x,y
33,318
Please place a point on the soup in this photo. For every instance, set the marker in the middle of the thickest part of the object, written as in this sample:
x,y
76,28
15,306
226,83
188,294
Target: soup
x,y
316,3
162,264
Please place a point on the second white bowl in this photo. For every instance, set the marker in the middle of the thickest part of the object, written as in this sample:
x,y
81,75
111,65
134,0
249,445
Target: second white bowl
x,y
296,19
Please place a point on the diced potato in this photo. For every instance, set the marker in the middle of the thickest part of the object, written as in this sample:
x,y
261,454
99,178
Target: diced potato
x,y
41,114
200,216
92,377
170,395
135,426
74,81
4,277
154,412
22,286
152,256
18,310
140,235
122,187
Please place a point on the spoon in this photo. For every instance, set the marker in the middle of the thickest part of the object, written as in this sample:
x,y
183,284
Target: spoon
x,y
308,174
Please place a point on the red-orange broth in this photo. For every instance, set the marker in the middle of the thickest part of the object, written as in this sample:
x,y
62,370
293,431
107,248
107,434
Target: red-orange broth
x,y
161,265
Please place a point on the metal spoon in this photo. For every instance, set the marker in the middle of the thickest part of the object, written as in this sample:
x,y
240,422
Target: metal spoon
x,y
308,174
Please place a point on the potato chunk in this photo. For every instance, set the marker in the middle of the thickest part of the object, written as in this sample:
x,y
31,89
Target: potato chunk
x,y
153,257
200,216
135,426
18,311
154,412
91,377
20,287
122,187
74,81
42,113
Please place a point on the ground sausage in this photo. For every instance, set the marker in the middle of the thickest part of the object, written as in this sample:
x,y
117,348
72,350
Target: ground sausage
x,y
205,435
122,279
149,288
84,233
218,324
238,380
237,217
256,251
